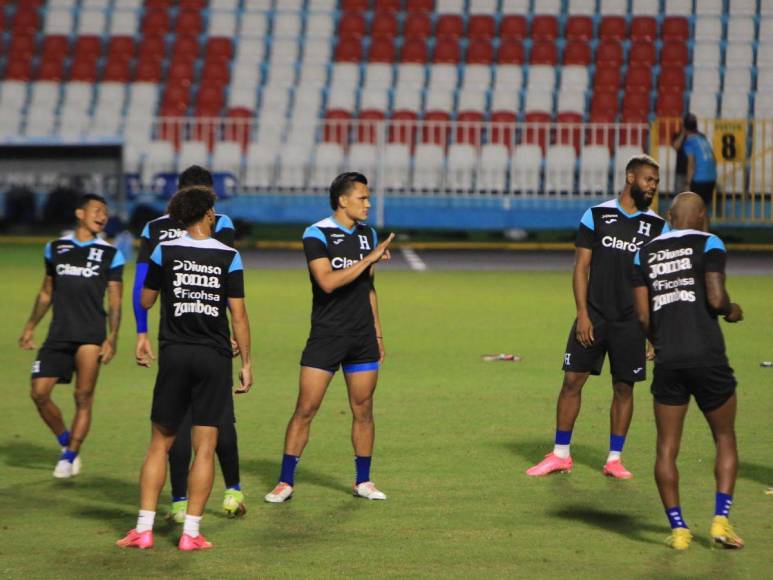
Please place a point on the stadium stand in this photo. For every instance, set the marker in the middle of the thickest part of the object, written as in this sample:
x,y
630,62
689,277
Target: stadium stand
x,y
468,95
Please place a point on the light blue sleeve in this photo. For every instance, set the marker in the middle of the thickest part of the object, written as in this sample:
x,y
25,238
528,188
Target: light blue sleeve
x,y
714,243
146,231
375,237
587,219
666,228
155,257
636,260
47,251
224,223
315,232
236,263
689,146
118,260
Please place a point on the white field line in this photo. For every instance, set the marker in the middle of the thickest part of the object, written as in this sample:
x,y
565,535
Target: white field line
x,y
416,263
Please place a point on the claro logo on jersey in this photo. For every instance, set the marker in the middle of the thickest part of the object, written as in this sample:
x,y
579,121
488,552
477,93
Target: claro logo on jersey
x,y
170,234
88,271
618,244
191,273
339,263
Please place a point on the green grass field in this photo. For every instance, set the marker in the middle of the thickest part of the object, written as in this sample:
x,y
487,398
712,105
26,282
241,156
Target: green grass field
x,y
455,435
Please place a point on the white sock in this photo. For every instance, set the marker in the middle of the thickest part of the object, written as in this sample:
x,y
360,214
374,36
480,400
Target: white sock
x,y
145,521
561,451
613,456
191,525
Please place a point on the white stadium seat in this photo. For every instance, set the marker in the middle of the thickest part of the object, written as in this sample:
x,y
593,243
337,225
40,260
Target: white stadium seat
x,y
410,75
713,7
344,99
407,100
739,55
312,75
40,123
476,77
538,100
92,23
373,99
397,166
740,29
59,21
614,7
328,161
708,28
504,100
259,165
703,104
439,100
508,77
472,101
667,162
549,7
575,77
222,24
13,94
707,54
462,162
542,77
763,106
582,7
253,24
227,158
526,169
645,7
679,7
320,25
287,25
594,170
745,7
571,101
317,51
706,79
492,168
159,158
378,76
192,153
443,77
345,75
124,22
738,79
428,167
735,105
294,163
363,157
515,6
559,169
449,6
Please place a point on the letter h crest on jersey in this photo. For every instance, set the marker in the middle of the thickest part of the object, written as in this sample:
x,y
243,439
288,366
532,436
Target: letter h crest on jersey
x,y
95,255
364,243
644,228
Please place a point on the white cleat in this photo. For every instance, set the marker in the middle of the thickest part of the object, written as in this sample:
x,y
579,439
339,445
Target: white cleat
x,y
368,490
76,465
63,469
281,493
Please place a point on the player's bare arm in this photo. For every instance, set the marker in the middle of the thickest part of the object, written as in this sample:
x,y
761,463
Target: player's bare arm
x,y
641,302
39,309
719,300
110,345
330,280
580,286
240,325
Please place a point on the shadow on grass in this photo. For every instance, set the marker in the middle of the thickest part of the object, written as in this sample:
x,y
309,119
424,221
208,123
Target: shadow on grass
x,y
29,455
268,472
533,450
756,472
615,522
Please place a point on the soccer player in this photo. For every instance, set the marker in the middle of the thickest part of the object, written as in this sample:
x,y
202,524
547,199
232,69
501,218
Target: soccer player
x,y
345,329
609,235
200,280
79,269
679,289
155,232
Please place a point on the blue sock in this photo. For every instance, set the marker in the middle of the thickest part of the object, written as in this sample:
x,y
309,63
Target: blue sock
x,y
563,437
63,438
237,487
69,455
175,498
362,465
722,504
616,443
675,517
289,463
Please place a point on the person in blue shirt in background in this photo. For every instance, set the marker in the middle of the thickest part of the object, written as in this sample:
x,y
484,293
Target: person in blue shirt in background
x,y
701,163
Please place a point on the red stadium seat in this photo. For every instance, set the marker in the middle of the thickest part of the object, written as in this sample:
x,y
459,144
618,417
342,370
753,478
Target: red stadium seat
x,y
367,131
55,47
606,79
419,5
609,52
210,98
159,3
22,47
186,47
382,50
446,51
348,50
216,72
468,127
50,70
674,53
577,53
481,26
543,53
153,47
26,21
449,26
219,48
436,128
638,79
176,95
384,25
18,70
355,5
544,27
155,23
569,130
670,105
644,28
352,25
579,28
510,52
189,23
414,51
502,128
238,126
636,107
84,70
337,127
402,129
120,47
193,4
604,106
117,71
540,134
480,51
148,70
389,5
513,27
181,71
88,47
642,53
676,28
613,28
672,80
417,25
2,19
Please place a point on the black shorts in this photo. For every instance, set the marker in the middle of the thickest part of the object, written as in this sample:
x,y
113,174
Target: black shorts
x,y
56,359
191,377
355,353
624,341
711,386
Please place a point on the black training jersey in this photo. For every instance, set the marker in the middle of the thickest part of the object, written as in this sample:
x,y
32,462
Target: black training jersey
x,y
81,272
346,310
196,278
614,236
673,266
164,229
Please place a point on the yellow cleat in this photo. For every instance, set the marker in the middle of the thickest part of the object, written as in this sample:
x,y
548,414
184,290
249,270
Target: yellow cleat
x,y
723,535
769,491
679,539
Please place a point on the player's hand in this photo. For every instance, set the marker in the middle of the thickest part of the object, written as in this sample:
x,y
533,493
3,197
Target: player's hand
x,y
245,380
381,249
381,350
234,348
584,331
143,351
735,314
650,351
25,340
107,351
386,256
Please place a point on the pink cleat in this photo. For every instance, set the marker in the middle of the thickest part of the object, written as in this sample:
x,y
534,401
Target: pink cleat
x,y
135,539
615,469
189,543
551,464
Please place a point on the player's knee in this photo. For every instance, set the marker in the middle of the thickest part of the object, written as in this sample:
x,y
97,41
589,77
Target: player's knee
x,y
305,412
622,391
363,413
572,384
40,398
83,399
